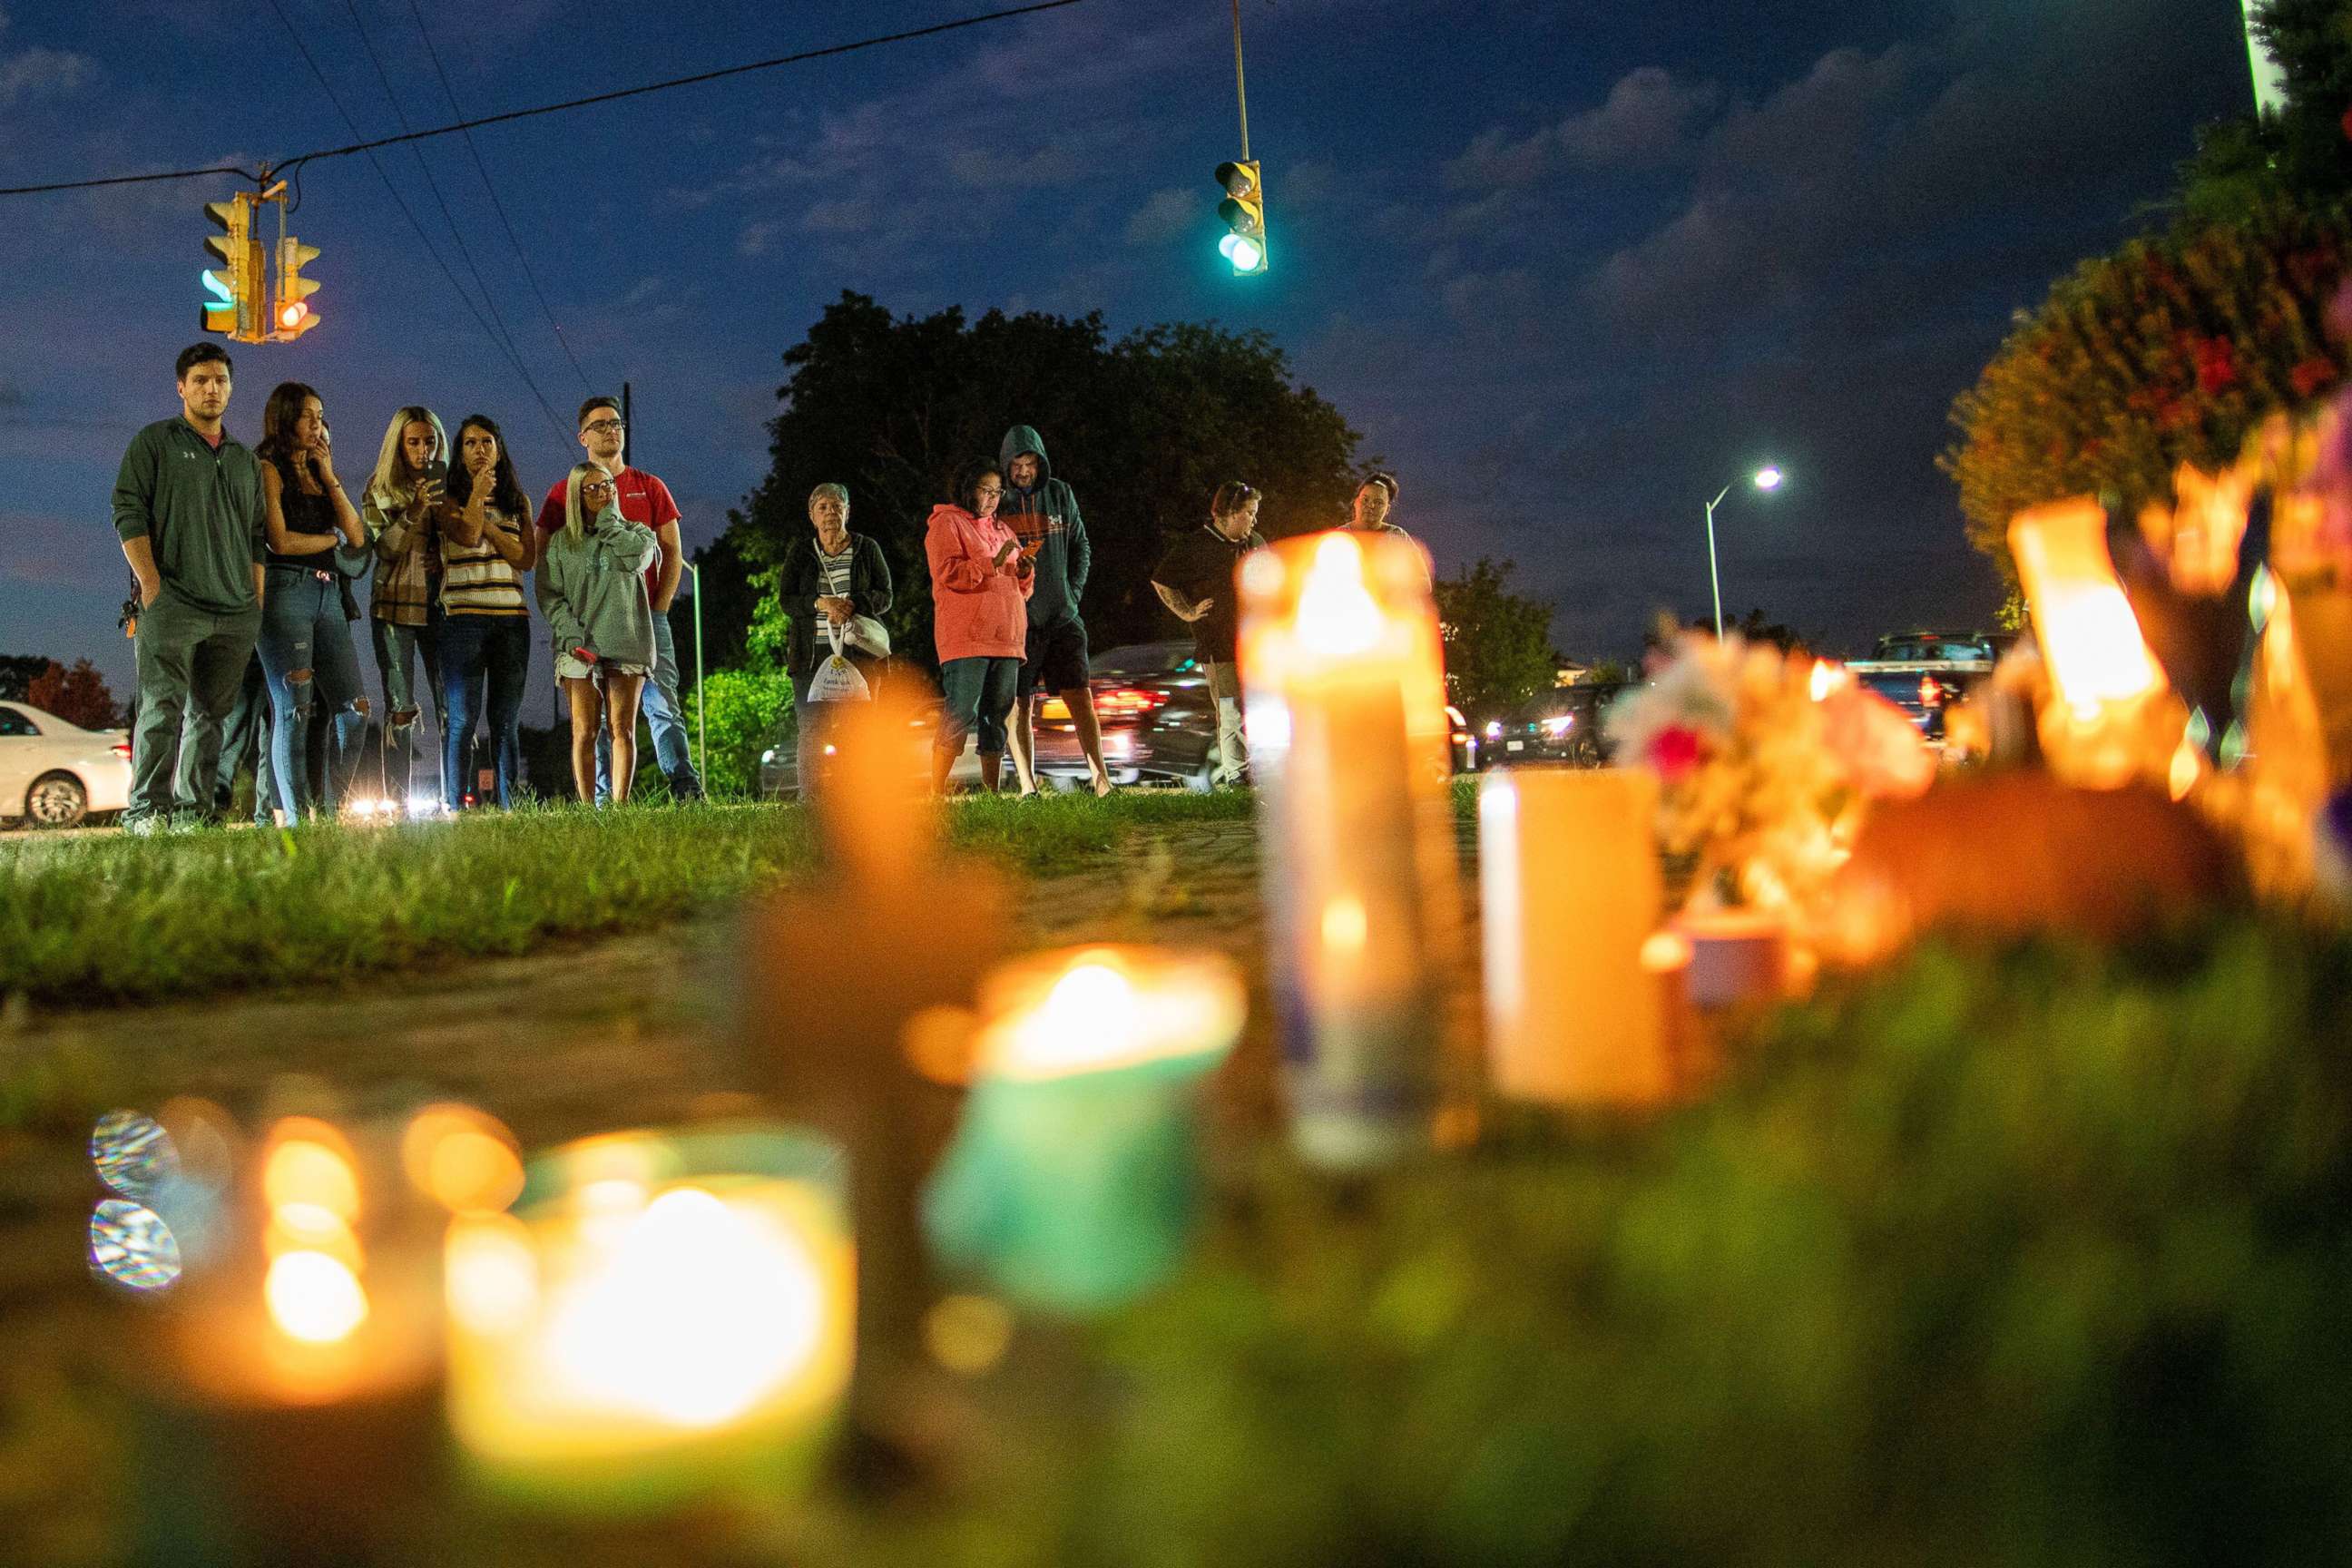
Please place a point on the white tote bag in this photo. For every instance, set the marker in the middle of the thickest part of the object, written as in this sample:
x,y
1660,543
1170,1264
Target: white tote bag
x,y
837,679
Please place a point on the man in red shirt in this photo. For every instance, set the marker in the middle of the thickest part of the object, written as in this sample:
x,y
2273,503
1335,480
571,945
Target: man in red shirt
x,y
642,499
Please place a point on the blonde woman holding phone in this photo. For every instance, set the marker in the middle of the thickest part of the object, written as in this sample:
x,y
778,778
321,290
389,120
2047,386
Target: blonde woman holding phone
x,y
403,610
592,589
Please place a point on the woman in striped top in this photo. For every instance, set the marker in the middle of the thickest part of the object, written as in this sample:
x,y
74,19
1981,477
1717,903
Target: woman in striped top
x,y
487,543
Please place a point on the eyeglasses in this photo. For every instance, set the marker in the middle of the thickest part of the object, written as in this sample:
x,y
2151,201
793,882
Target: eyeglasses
x,y
592,485
989,491
601,427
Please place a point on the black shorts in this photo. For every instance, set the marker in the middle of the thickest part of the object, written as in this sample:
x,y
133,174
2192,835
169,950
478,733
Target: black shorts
x,y
1057,657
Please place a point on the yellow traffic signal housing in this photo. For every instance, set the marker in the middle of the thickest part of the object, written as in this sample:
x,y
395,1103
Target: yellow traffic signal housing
x,y
293,316
1244,210
232,291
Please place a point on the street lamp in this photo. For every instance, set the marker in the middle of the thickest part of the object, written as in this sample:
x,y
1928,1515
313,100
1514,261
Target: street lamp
x,y
1768,478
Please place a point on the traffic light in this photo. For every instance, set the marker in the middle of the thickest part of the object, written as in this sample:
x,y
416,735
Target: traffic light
x,y
232,299
1244,210
293,315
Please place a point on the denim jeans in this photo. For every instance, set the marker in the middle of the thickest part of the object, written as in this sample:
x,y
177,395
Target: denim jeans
x,y
190,662
1225,687
976,693
246,738
673,746
396,648
306,647
479,651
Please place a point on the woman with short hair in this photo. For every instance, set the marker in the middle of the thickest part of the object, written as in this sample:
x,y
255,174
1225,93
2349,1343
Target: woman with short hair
x,y
981,583
827,581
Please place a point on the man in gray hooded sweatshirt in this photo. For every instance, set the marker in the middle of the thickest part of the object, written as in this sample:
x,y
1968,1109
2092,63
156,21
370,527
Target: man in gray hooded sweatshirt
x,y
1043,513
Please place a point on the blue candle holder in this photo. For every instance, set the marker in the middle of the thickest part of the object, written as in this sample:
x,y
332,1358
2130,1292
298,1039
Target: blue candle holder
x,y
1074,1183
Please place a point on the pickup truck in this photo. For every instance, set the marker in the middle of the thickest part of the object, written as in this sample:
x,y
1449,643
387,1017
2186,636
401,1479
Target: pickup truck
x,y
1923,672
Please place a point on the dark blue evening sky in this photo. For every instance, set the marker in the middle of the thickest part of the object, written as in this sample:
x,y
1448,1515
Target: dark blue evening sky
x,y
1570,268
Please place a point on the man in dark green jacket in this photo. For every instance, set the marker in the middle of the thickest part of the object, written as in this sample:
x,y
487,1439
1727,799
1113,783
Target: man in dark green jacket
x,y
187,506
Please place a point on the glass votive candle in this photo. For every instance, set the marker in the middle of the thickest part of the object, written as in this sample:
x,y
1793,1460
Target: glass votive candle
x,y
663,1316
1074,1181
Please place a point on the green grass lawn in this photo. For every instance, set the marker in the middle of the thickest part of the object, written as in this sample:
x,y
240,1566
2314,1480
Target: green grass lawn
x,y
116,918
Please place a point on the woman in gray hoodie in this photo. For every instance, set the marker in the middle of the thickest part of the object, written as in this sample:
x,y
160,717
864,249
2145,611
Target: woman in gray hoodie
x,y
592,589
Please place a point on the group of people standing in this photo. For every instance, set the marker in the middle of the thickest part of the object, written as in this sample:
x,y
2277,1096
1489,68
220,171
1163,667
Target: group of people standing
x,y
250,557
1009,559
246,562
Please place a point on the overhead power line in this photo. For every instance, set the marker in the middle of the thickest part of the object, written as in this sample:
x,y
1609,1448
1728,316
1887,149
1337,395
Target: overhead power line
x,y
505,333
803,56
529,273
405,211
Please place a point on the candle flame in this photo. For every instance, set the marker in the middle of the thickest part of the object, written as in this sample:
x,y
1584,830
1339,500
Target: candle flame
x,y
492,1274
2089,636
1829,677
1338,615
1100,1008
1663,952
698,1315
314,1298
303,1169
1345,925
462,1159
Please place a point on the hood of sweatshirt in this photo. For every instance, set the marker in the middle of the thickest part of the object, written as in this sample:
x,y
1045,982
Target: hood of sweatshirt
x,y
1022,439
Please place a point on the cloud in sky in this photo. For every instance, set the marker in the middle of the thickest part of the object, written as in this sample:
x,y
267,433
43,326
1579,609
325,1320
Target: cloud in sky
x,y
1168,217
1645,120
36,75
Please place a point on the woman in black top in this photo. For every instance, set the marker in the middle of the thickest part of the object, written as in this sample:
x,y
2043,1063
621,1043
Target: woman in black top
x,y
305,642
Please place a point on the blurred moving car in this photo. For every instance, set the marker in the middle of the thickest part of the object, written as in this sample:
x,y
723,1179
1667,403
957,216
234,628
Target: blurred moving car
x,y
780,764
1159,721
1561,725
56,775
1926,673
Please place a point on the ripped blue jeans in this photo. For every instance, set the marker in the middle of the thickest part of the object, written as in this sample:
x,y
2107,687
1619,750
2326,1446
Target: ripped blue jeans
x,y
306,650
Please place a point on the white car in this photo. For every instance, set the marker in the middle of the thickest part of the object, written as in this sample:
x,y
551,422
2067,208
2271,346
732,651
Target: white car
x,y
53,773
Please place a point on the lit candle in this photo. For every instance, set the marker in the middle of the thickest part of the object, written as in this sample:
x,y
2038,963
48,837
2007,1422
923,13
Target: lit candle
x,y
1074,1181
1348,732
1578,1009
299,1423
2100,668
663,1315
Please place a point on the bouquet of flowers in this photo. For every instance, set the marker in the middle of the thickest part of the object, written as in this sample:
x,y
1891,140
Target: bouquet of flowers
x,y
1764,761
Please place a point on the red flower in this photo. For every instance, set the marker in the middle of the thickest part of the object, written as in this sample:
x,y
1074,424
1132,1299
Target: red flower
x,y
1675,750
2312,375
2216,366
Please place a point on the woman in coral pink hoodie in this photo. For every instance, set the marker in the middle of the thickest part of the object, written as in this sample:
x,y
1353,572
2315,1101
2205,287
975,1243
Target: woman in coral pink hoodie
x,y
980,581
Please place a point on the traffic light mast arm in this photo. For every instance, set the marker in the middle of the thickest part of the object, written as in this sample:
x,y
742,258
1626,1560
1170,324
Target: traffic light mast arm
x,y
1241,87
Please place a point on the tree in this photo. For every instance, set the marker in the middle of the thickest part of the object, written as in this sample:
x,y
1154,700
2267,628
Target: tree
x,y
1497,642
2169,351
746,704
78,696
1144,429
17,671
2299,153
